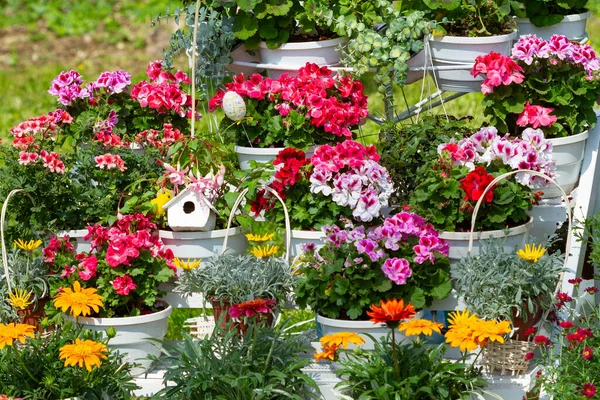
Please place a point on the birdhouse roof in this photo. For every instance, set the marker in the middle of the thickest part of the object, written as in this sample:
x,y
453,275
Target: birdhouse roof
x,y
176,199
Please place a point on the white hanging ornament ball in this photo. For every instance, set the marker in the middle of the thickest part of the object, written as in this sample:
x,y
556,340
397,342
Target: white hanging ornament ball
x,y
234,106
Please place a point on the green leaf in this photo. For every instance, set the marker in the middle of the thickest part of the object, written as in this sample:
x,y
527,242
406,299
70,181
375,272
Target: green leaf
x,y
245,26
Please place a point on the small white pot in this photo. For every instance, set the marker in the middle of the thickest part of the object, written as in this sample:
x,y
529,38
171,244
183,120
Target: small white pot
x,y
568,153
459,241
258,154
327,326
461,52
290,57
300,238
201,245
132,335
572,26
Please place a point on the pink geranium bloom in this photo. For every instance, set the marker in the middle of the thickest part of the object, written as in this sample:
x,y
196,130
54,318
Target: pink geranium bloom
x,y
536,116
123,285
397,270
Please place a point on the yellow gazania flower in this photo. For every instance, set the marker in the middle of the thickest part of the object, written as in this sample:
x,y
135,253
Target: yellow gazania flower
x,y
531,253
79,300
341,339
186,265
415,327
461,318
19,299
264,251
163,196
490,331
27,246
83,352
259,238
329,352
11,332
462,337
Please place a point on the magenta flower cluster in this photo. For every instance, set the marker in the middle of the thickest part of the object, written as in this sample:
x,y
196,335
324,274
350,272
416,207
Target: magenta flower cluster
x,y
401,241
531,151
350,173
67,86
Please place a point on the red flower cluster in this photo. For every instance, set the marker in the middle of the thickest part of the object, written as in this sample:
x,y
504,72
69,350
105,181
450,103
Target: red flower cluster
x,y
563,298
580,335
499,70
541,340
536,116
110,161
346,154
160,139
475,183
332,103
252,307
56,245
163,93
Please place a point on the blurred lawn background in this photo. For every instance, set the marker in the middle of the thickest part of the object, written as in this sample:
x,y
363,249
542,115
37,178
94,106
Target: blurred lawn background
x,y
39,39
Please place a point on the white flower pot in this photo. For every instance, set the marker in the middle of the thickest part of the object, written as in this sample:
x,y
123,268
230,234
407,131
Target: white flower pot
x,y
459,241
299,238
258,154
78,235
327,326
461,52
290,57
572,26
568,153
200,245
132,335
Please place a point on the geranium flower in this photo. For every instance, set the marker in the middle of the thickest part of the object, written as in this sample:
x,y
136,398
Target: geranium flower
x,y
397,270
11,332
341,339
123,285
391,312
252,307
415,327
83,353
475,183
536,116
79,300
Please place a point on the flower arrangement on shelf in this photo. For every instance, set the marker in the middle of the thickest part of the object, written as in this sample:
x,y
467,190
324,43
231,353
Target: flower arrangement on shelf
x,y
86,155
568,358
77,361
357,266
121,273
345,180
314,107
451,187
409,369
552,84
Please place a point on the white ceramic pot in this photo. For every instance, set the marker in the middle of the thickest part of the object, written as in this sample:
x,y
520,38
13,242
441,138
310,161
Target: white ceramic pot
x,y
78,235
299,238
572,26
459,241
568,153
460,53
290,57
200,245
132,335
258,154
327,326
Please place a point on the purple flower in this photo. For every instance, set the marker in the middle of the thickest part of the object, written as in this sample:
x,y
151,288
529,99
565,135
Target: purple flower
x,y
308,247
114,82
559,46
397,270
370,248
356,234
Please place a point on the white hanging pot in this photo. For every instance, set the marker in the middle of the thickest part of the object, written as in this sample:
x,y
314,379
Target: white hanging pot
x,y
290,57
572,26
133,334
459,241
568,153
459,53
301,238
261,155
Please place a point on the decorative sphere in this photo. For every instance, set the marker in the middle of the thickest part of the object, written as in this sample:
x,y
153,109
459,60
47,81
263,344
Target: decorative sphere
x,y
234,106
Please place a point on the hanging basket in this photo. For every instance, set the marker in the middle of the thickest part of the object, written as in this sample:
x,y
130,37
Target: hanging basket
x,y
508,358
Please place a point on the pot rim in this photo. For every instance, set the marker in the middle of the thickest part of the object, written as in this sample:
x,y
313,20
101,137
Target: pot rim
x,y
124,321
567,18
570,139
267,151
475,40
195,235
317,44
478,235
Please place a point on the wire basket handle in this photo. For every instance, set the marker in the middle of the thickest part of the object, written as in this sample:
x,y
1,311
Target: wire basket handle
x,y
569,218
2,221
288,229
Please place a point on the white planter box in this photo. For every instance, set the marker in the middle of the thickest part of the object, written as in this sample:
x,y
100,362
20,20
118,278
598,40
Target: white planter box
x,y
572,26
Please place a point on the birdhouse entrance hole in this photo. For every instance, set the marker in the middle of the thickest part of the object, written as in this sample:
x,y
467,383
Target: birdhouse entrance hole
x,y
188,207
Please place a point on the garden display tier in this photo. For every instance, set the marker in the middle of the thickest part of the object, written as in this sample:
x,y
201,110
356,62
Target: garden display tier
x,y
572,26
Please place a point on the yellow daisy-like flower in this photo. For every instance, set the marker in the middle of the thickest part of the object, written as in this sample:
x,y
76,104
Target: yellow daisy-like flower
x,y
11,332
490,331
329,352
19,299
163,196
83,353
264,251
415,327
531,252
27,246
79,300
461,337
458,318
259,238
341,339
186,265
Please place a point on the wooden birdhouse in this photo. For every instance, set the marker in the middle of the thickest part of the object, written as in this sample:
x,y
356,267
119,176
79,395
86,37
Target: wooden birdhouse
x,y
190,211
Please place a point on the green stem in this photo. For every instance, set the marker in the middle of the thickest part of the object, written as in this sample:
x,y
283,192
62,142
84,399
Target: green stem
x,y
474,361
264,372
396,365
481,20
19,358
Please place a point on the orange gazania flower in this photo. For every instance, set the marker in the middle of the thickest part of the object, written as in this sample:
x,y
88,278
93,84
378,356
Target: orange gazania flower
x,y
11,332
391,312
420,327
80,301
251,307
84,353
329,352
341,339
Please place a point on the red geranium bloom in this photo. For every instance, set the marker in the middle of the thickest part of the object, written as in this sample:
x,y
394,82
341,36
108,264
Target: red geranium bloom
x,y
251,307
391,312
589,390
475,183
